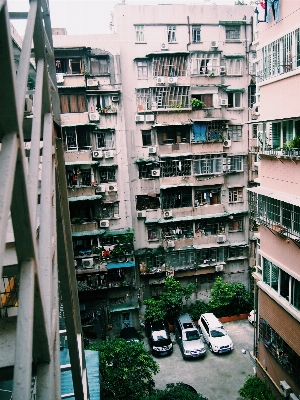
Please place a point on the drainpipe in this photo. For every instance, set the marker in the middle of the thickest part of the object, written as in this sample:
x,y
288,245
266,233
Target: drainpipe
x,y
189,33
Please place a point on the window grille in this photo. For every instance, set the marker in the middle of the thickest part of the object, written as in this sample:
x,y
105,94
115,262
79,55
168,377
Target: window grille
x,y
105,139
235,195
205,63
235,132
175,167
99,65
176,197
107,174
207,164
233,32
166,65
171,29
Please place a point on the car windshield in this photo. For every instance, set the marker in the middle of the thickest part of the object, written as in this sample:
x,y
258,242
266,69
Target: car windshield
x,y
192,335
217,333
159,335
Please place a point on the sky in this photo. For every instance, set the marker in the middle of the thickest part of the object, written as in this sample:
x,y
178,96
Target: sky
x,y
81,17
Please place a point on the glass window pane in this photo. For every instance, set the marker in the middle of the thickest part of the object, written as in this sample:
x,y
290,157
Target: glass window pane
x,y
266,271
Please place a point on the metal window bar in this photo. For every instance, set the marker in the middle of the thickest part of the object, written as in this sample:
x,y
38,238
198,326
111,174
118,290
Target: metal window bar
x,y
205,63
169,66
42,232
176,167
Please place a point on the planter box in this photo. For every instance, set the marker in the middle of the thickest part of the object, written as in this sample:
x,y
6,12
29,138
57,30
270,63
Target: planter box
x,y
233,318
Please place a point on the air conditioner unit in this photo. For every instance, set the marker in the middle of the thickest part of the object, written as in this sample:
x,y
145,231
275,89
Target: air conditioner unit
x,y
108,154
160,80
285,389
221,238
60,78
112,187
139,118
28,105
155,172
222,69
94,116
227,143
100,189
97,154
172,80
258,269
219,268
214,43
224,102
92,82
152,150
170,243
164,46
104,223
141,214
168,214
293,397
149,117
115,98
88,263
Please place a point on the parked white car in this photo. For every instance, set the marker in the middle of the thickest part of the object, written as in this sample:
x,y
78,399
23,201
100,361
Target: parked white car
x,y
215,334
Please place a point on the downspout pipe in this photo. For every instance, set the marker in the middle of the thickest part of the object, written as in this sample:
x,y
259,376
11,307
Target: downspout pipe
x,y
189,33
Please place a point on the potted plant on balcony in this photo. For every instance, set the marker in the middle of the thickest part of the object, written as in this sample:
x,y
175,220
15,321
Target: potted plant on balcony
x,y
197,104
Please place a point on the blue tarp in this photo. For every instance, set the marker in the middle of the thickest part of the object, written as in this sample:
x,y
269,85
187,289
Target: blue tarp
x,y
120,265
199,132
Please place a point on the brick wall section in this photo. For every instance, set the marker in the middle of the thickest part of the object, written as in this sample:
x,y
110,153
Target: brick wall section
x,y
283,175
285,325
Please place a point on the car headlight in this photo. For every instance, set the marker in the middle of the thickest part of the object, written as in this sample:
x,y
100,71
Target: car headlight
x,y
186,351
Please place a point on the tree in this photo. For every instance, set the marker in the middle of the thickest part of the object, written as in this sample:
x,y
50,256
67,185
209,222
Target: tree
x,y
255,389
126,369
155,309
176,391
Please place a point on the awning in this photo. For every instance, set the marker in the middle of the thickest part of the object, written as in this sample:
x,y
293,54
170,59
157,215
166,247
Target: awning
x,y
128,264
142,160
166,52
233,56
229,90
71,87
88,233
162,187
175,123
239,212
81,198
120,232
123,307
274,194
79,124
230,22
238,244
175,155
107,165
81,162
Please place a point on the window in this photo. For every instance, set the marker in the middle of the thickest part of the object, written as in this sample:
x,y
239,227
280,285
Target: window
x,y
178,230
235,132
234,66
233,32
76,137
105,139
171,96
99,65
207,164
109,210
196,32
235,163
173,134
142,69
234,99
235,225
176,197
207,196
107,174
210,227
205,63
72,103
206,98
68,66
139,33
166,65
146,137
152,233
171,29
235,252
178,166
208,131
145,169
144,202
235,195
102,101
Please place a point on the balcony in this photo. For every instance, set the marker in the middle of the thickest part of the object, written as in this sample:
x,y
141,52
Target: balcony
x,y
77,191
83,226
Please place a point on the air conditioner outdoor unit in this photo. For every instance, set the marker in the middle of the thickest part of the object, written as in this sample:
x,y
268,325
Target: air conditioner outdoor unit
x,y
222,69
92,82
221,238
139,118
170,243
88,263
100,189
224,102
60,78
112,187
94,116
141,214
97,154
152,150
149,117
115,98
214,43
104,223
164,46
108,154
168,214
219,268
227,143
160,80
258,269
172,80
28,105
285,389
155,172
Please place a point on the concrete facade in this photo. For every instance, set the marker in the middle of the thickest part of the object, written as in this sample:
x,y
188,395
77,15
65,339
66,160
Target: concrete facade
x,y
275,203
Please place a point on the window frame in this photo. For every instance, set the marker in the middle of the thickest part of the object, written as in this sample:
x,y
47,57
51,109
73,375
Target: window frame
x,y
171,33
236,194
235,132
232,31
235,99
196,34
139,33
142,70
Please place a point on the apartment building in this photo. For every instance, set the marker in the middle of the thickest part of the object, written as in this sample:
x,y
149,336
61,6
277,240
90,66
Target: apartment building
x,y
275,203
187,87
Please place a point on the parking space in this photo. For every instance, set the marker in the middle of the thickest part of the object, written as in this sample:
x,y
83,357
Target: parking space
x,y
216,376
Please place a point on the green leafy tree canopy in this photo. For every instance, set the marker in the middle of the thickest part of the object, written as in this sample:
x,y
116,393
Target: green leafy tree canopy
x,y
255,389
175,391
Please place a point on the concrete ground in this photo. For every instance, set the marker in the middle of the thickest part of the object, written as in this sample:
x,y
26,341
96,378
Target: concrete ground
x,y
216,376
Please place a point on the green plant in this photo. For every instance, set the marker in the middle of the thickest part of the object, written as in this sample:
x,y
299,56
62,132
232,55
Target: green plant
x,y
175,391
155,309
255,389
293,144
197,104
196,309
